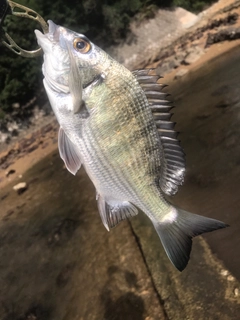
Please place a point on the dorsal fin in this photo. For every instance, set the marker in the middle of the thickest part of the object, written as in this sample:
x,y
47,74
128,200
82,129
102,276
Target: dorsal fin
x,y
172,155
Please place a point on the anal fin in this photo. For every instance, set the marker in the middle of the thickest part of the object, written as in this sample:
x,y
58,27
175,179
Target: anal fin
x,y
68,152
113,211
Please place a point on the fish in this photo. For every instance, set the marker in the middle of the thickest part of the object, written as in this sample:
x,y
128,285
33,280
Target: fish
x,y
116,124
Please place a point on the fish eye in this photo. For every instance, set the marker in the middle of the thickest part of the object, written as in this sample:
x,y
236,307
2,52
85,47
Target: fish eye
x,y
81,45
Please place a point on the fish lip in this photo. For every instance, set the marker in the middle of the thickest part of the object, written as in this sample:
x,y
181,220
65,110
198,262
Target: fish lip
x,y
53,32
44,40
52,27
41,38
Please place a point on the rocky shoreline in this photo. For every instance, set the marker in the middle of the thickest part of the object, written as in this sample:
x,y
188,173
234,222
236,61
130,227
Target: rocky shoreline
x,y
191,46
22,120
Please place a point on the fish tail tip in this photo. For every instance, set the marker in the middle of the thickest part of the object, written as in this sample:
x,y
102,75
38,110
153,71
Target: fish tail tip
x,y
176,234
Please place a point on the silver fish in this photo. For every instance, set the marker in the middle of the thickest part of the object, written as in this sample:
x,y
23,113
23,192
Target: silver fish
x,y
116,123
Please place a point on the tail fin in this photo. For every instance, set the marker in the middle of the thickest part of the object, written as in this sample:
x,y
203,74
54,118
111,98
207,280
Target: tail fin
x,y
176,234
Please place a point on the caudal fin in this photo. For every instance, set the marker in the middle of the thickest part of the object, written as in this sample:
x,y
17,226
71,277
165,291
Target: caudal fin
x,y
176,234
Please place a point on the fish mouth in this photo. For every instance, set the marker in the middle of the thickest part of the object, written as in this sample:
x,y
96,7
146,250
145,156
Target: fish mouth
x,y
53,36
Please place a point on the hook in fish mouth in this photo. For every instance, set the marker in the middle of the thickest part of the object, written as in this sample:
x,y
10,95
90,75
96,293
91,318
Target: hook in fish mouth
x,y
52,33
53,36
46,40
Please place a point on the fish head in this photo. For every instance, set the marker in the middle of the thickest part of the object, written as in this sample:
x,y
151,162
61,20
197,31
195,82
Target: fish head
x,y
65,50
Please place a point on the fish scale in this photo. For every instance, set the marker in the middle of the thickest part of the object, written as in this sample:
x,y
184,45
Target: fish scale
x,y
100,141
128,142
117,125
134,104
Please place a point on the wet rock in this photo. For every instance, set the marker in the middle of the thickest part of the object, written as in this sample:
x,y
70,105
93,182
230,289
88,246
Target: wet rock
x,y
20,187
180,73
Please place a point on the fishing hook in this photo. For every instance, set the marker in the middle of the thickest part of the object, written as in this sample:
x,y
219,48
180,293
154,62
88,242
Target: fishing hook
x,y
12,8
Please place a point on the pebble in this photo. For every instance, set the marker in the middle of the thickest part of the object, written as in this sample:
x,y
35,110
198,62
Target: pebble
x,y
230,278
236,292
20,187
224,272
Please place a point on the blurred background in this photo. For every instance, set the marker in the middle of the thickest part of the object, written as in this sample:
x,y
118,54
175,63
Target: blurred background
x,y
56,259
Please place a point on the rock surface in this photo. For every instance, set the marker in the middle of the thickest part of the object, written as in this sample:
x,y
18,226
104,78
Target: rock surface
x,y
59,262
151,36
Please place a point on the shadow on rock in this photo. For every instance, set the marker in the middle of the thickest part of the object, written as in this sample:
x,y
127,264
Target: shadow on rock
x,y
118,301
128,306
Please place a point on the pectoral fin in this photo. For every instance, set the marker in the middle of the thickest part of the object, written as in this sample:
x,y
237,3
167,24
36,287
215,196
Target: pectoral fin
x,y
113,211
68,152
75,84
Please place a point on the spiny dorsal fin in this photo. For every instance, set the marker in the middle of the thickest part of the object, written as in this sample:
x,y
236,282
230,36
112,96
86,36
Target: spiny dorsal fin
x,y
172,155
